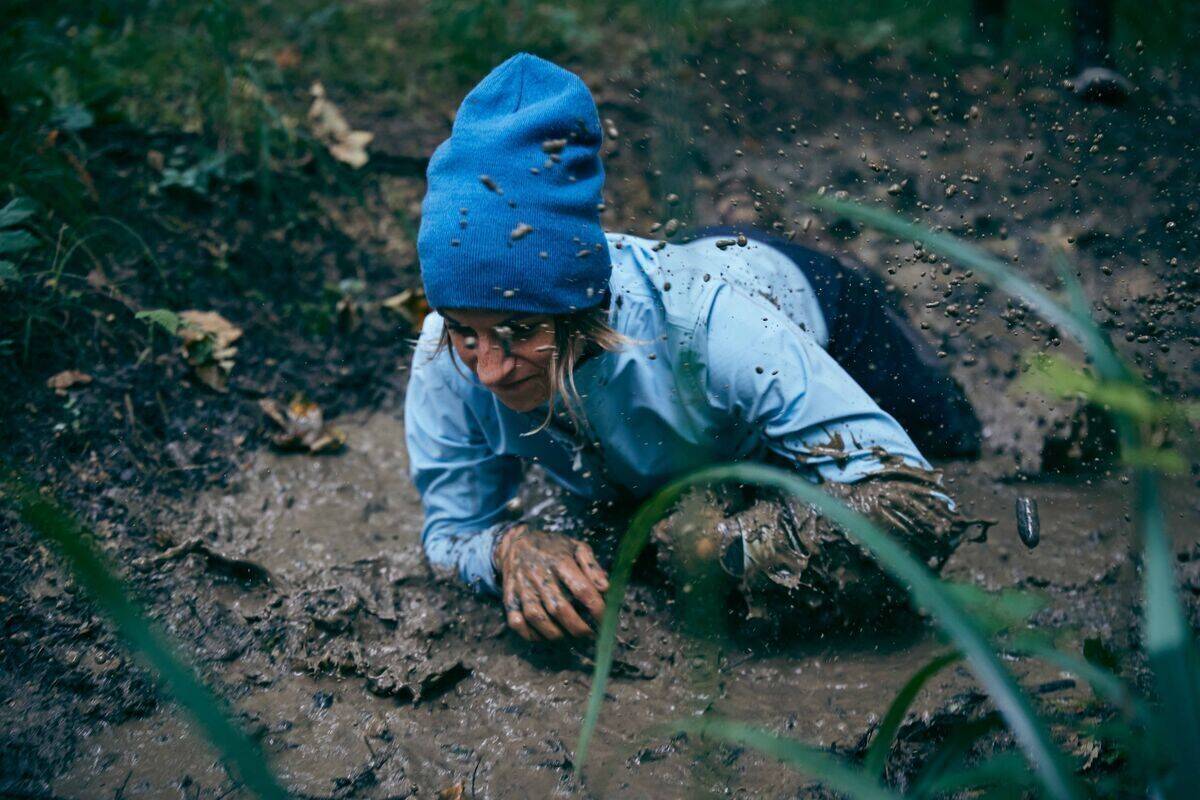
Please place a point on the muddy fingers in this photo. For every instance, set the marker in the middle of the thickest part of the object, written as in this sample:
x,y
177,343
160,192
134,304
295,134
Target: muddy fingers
x,y
512,609
581,589
561,610
594,572
535,613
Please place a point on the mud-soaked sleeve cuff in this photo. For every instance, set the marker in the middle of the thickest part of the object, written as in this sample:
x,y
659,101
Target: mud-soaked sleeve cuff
x,y
468,554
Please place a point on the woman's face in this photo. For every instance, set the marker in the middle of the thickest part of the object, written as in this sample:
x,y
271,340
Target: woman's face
x,y
509,353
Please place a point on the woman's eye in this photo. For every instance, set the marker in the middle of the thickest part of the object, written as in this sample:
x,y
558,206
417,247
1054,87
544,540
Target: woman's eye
x,y
526,331
466,334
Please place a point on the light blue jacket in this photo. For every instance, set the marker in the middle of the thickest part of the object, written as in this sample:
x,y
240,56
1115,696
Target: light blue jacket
x,y
730,364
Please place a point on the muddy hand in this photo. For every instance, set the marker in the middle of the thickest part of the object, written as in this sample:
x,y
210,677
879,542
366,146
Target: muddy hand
x,y
541,572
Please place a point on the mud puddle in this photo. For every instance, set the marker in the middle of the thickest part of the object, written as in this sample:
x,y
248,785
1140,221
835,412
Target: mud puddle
x,y
365,678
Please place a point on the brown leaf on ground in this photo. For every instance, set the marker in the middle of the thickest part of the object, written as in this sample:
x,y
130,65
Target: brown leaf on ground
x,y
330,127
67,379
410,304
455,791
287,57
208,346
302,426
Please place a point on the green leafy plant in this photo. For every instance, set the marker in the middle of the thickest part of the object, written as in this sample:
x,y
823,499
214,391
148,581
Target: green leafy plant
x,y
1167,639
14,241
163,318
1174,723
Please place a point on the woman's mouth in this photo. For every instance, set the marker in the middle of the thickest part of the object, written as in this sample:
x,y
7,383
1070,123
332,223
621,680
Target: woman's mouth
x,y
513,384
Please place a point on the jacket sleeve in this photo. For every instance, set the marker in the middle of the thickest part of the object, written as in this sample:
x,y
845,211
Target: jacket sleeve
x,y
463,484
777,384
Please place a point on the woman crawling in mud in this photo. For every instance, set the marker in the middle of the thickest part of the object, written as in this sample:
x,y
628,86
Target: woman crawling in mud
x,y
617,363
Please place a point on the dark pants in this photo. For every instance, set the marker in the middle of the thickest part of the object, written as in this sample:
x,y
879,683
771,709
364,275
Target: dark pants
x,y
880,349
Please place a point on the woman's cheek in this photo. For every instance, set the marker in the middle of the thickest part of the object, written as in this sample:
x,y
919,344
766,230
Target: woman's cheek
x,y
465,354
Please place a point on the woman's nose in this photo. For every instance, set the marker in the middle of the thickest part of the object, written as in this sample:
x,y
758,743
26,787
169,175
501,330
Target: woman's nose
x,y
491,364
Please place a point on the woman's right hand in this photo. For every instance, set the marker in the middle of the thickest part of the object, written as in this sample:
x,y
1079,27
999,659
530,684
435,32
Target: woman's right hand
x,y
541,572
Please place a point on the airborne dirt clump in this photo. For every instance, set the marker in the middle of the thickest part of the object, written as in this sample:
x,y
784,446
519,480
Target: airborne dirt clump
x,y
295,581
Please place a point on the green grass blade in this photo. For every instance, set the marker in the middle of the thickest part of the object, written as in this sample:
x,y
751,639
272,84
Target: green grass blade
x,y
1169,646
1084,331
954,749
996,612
925,588
632,544
885,735
1103,683
833,772
51,522
1077,302
1007,768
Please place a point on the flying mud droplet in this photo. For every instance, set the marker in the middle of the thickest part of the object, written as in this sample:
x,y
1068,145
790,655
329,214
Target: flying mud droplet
x,y
522,229
487,181
1029,527
553,145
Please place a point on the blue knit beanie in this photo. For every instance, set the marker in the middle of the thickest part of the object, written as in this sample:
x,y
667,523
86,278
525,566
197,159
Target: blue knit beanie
x,y
511,215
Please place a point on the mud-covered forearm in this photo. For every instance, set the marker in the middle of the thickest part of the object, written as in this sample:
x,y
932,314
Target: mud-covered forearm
x,y
907,502
779,543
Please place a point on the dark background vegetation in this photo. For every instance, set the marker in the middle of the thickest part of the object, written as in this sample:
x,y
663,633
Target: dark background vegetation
x,y
165,149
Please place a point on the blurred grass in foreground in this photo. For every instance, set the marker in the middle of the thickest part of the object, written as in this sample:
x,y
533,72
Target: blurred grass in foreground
x,y
60,529
1160,739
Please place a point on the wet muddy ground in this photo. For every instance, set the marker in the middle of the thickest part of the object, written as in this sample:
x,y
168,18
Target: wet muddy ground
x,y
296,582
366,679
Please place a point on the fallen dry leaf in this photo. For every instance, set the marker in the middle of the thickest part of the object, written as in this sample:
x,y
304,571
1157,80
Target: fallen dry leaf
x,y
67,379
208,346
302,426
287,57
330,127
410,304
455,791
